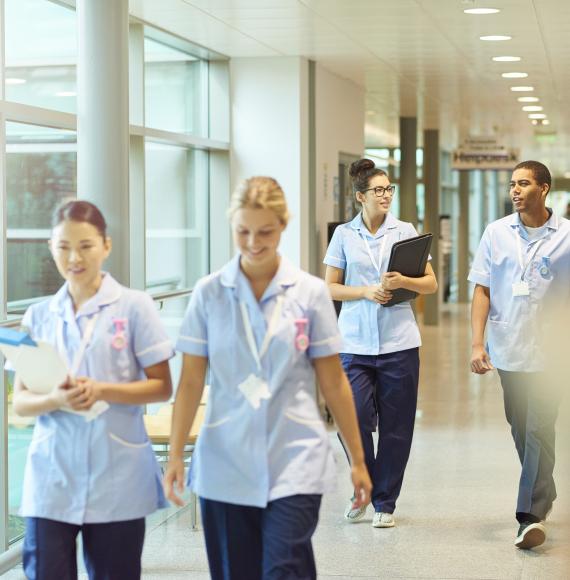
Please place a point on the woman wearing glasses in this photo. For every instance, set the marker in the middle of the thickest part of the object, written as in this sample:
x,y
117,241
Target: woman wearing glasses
x,y
380,345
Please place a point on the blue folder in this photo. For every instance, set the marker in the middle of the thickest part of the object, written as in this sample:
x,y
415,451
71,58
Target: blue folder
x,y
15,337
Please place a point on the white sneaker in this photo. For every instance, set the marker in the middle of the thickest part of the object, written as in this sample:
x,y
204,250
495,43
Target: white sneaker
x,y
383,520
353,514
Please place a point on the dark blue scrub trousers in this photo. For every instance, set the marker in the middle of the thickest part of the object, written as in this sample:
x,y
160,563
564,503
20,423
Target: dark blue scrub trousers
x,y
385,390
531,408
111,551
251,543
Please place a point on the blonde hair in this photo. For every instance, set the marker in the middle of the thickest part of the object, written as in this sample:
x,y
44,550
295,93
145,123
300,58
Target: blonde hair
x,y
260,193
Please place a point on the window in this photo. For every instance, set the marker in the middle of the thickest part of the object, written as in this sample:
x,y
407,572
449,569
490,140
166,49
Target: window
x,y
40,174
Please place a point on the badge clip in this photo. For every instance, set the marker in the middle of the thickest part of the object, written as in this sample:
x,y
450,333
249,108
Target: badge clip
x,y
119,340
301,340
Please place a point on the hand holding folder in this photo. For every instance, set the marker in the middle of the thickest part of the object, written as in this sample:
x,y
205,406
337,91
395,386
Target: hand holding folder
x,y
40,367
409,258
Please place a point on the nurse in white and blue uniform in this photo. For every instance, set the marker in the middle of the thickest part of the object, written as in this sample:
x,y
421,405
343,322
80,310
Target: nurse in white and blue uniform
x,y
263,459
521,274
90,466
380,350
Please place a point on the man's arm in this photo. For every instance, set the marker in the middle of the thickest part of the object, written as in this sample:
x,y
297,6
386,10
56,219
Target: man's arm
x,y
480,361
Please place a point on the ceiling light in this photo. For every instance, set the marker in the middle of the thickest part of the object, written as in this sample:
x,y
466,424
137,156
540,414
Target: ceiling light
x,y
514,75
506,58
532,108
15,81
528,99
496,37
66,94
522,89
537,116
534,122
545,122
481,11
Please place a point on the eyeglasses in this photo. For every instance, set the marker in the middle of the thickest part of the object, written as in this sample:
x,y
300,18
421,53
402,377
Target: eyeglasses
x,y
382,191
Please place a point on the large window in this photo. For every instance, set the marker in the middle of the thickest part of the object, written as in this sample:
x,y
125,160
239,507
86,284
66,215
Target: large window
x,y
40,174
41,54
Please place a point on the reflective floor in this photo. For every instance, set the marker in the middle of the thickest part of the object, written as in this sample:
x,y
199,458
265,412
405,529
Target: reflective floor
x,y
455,517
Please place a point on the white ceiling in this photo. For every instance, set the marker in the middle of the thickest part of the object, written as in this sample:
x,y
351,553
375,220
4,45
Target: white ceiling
x,y
414,57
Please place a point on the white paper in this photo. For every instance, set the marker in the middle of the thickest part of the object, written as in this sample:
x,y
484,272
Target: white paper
x,y
254,389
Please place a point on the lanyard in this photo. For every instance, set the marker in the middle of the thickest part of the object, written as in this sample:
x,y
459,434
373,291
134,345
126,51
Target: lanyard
x,y
85,340
258,354
524,265
380,254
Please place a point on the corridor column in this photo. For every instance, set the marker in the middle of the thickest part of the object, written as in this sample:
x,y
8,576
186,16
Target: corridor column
x,y
103,119
408,169
431,222
463,238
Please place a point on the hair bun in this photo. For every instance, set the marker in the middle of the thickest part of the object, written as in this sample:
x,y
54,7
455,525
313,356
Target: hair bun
x,y
359,166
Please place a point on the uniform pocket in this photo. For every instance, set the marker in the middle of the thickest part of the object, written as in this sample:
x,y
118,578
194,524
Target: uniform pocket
x,y
126,443
302,420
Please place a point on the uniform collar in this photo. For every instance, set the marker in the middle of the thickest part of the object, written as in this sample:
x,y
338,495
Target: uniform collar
x,y
389,224
109,292
232,277
551,223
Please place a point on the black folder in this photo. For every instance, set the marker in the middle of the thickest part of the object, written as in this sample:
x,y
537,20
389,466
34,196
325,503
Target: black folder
x,y
409,258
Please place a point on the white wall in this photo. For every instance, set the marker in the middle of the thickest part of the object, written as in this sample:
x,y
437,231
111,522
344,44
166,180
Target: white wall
x,y
269,136
340,113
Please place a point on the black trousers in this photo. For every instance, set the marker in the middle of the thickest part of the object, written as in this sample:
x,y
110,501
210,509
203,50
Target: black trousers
x,y
531,408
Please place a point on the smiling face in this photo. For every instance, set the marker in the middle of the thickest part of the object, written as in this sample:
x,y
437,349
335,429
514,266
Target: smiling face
x,y
257,233
527,195
79,250
372,204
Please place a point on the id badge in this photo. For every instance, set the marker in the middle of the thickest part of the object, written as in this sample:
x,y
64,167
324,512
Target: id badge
x,y
254,389
521,289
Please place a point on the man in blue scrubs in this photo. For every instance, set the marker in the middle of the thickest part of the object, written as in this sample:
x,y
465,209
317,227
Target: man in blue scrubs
x,y
522,275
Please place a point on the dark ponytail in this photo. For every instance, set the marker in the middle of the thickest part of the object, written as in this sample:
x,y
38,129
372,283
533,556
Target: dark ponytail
x,y
361,172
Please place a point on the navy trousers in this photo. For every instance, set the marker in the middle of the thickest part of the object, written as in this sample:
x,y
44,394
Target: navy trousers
x,y
385,390
531,408
111,551
272,543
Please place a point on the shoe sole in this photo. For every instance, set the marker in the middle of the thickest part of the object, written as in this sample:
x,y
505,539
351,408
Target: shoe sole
x,y
382,525
532,537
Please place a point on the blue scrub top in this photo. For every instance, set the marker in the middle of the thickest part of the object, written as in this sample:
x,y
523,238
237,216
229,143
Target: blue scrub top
x,y
250,456
366,327
104,470
516,325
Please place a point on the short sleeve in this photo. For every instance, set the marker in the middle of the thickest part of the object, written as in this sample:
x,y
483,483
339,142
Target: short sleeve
x,y
335,255
193,337
324,336
151,344
28,324
480,272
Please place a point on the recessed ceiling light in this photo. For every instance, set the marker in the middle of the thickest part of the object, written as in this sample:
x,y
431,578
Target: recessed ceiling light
x,y
66,94
515,75
481,11
15,81
546,122
506,58
534,122
495,37
537,116
532,108
528,99
522,89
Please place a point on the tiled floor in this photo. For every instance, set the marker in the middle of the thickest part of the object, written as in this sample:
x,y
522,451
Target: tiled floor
x,y
455,515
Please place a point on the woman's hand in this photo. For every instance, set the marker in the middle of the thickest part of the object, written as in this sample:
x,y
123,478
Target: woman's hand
x,y
87,393
480,360
65,394
173,481
362,485
393,280
373,293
